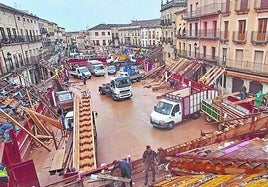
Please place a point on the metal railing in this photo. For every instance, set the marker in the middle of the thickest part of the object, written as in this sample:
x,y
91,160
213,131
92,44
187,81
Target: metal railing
x,y
13,39
209,34
259,38
239,37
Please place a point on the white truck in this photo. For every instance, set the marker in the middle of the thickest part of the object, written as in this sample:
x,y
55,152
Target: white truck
x,y
118,88
79,71
176,106
96,68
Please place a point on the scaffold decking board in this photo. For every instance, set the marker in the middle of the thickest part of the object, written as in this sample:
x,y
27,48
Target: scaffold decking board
x,y
114,178
57,161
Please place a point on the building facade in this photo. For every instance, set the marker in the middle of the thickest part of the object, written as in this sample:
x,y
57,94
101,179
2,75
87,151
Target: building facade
x,y
22,36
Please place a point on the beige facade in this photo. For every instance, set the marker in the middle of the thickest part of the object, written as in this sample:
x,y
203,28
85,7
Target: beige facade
x,y
180,41
22,43
245,49
100,35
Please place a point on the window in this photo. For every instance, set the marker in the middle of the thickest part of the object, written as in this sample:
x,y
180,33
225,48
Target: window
x,y
24,19
262,29
190,29
258,61
3,35
243,5
108,33
16,61
241,29
28,20
239,57
205,29
21,60
103,33
204,51
104,42
214,28
9,33
97,42
213,51
196,29
226,28
96,34
18,18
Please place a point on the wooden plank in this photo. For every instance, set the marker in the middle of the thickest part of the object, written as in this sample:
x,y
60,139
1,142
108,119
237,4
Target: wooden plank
x,y
57,162
243,101
110,177
24,129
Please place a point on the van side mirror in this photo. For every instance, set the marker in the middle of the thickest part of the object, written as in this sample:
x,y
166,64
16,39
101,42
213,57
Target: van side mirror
x,y
172,114
154,107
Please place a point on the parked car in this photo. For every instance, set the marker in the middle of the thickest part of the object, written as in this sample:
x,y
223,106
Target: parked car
x,y
111,70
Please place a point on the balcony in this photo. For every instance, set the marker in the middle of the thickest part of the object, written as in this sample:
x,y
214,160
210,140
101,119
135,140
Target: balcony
x,y
239,37
188,34
241,7
208,59
210,34
192,15
261,6
14,39
212,9
258,38
248,67
224,36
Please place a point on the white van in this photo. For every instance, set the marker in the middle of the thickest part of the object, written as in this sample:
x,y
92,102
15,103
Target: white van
x,y
96,67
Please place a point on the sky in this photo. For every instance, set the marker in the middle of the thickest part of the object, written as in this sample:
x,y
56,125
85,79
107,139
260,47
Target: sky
x,y
79,15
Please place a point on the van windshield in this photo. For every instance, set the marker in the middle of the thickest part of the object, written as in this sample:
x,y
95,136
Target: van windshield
x,y
98,67
83,70
163,108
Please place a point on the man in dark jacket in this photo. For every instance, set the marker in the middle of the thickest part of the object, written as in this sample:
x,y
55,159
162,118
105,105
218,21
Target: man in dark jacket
x,y
125,169
149,158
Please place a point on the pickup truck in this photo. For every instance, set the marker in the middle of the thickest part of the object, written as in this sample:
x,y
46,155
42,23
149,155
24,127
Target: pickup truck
x,y
79,71
135,76
118,88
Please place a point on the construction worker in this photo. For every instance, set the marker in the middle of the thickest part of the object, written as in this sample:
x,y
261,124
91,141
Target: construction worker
x,y
149,158
243,90
56,71
125,169
3,174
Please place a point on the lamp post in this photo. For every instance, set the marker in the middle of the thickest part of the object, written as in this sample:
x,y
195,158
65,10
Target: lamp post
x,y
195,49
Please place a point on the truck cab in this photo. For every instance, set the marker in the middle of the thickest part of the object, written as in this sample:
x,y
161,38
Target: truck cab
x,y
96,68
166,114
118,88
63,100
79,71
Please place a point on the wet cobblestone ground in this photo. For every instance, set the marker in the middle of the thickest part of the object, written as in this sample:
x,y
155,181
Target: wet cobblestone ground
x,y
124,128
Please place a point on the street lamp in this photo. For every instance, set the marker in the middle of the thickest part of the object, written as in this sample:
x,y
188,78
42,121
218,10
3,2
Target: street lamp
x,y
195,49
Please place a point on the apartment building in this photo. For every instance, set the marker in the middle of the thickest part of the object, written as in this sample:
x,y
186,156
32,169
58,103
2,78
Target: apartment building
x,y
229,34
168,11
24,40
244,44
100,35
150,32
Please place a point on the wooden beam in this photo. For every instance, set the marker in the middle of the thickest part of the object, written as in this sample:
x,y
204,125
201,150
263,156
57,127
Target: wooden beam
x,y
30,100
227,95
54,122
22,127
247,76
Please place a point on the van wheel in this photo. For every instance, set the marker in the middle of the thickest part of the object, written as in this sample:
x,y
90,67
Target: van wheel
x,y
101,92
170,125
196,115
208,119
